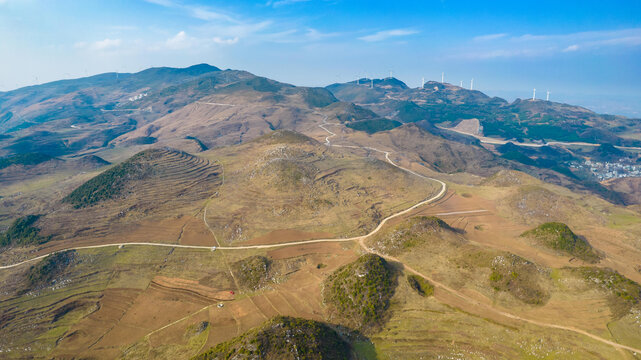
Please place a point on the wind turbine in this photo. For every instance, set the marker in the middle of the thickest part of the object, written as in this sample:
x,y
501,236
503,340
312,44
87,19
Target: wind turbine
x,y
547,96
461,83
423,82
534,94
472,84
442,77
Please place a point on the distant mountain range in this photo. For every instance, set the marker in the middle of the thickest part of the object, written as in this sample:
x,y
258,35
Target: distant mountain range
x,y
202,107
446,104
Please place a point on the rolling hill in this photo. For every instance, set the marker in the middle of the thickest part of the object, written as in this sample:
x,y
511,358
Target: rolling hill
x,y
215,214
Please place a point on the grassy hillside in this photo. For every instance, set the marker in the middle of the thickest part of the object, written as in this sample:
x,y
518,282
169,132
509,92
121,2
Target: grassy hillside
x,y
358,294
373,125
23,232
283,337
46,271
559,237
24,159
625,293
111,183
285,181
252,272
519,277
411,233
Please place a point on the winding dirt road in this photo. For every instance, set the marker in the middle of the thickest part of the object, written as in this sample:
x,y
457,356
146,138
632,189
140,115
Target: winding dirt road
x,y
361,241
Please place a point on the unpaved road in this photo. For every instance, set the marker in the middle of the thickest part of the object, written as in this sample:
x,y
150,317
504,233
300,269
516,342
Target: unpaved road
x,y
361,241
493,141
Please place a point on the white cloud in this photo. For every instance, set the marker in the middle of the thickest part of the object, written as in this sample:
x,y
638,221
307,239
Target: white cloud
x,y
100,45
208,15
165,3
489,37
532,45
198,12
221,41
278,3
180,41
313,34
386,34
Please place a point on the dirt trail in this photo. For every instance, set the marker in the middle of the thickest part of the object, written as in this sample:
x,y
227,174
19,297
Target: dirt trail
x,y
361,241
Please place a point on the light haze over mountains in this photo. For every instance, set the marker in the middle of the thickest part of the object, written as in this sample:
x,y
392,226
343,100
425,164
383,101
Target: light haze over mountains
x,y
585,52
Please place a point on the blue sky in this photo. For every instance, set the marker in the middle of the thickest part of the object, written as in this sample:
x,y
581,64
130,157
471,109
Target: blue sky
x,y
583,52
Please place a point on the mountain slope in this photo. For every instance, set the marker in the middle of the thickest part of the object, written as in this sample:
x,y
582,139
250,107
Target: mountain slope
x,y
444,103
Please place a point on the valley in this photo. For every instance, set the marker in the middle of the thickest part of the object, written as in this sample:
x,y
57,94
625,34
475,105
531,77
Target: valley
x,y
245,205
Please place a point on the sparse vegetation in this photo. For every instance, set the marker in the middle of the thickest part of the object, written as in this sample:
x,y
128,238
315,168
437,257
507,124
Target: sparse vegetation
x,y
47,270
200,144
318,97
22,232
422,286
358,293
111,183
409,234
558,236
24,159
625,292
142,140
252,272
519,277
285,137
283,337
372,126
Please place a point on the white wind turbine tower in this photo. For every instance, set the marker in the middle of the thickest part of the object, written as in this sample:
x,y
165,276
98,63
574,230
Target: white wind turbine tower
x,y
461,83
442,77
472,84
534,94
547,96
423,82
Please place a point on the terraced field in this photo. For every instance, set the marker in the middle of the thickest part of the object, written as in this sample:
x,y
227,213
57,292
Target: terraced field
x,y
169,184
286,187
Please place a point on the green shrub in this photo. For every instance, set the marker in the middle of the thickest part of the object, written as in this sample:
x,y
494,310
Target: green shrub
x,y
24,159
519,277
318,97
625,292
111,183
22,232
253,272
358,293
374,125
44,272
283,337
408,234
422,286
559,237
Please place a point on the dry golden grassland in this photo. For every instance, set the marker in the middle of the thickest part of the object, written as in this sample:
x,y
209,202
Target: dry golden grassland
x,y
285,181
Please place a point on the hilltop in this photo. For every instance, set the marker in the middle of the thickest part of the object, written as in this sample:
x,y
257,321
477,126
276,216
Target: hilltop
x,y
153,184
446,104
559,237
283,338
287,185
359,293
186,200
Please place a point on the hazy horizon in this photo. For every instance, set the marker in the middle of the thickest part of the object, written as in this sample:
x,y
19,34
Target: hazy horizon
x,y
584,53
